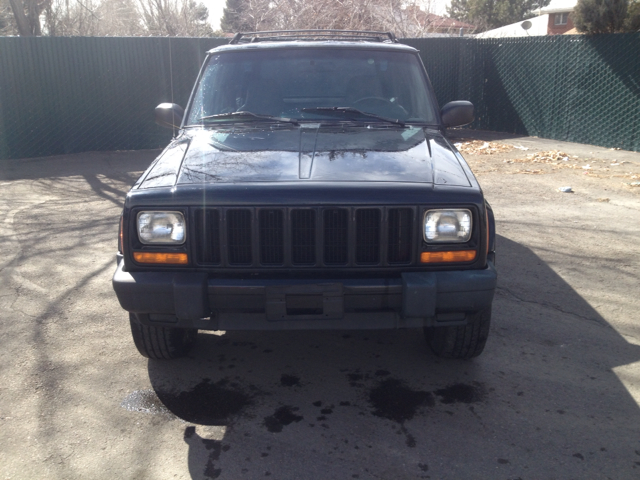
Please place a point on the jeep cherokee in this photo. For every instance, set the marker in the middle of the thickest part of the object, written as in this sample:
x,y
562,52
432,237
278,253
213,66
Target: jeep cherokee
x,y
310,186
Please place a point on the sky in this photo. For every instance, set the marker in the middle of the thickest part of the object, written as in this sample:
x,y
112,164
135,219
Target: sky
x,y
216,8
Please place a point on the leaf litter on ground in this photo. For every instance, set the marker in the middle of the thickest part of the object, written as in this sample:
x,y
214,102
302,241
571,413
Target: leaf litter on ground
x,y
479,147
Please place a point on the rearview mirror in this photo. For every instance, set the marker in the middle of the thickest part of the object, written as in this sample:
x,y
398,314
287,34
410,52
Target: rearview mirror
x,y
457,113
169,115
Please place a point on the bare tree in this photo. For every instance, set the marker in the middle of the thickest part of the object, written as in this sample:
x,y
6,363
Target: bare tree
x,y
119,18
7,22
27,15
71,18
405,18
108,18
175,18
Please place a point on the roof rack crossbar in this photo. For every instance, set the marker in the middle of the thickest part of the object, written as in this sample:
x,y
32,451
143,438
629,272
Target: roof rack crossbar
x,y
311,35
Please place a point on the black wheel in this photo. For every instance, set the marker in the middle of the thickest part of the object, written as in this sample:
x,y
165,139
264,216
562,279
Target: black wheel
x,y
465,341
162,343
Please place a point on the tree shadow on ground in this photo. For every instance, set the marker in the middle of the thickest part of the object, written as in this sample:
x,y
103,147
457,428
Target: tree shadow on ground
x,y
113,165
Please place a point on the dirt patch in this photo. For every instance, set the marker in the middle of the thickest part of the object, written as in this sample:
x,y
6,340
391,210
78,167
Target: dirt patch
x,y
568,162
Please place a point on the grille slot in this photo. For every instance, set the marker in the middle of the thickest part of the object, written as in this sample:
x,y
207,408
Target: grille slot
x,y
303,237
239,237
336,234
207,237
368,236
400,239
271,237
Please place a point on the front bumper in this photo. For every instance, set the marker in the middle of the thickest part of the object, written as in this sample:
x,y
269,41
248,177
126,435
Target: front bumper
x,y
415,299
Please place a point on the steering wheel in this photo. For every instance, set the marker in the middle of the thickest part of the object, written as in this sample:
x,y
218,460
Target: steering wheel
x,y
381,106
373,100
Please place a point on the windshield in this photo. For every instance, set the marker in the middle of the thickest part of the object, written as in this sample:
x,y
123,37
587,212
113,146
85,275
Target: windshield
x,y
300,83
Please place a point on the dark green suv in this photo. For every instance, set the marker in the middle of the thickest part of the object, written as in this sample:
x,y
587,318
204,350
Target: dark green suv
x,y
310,186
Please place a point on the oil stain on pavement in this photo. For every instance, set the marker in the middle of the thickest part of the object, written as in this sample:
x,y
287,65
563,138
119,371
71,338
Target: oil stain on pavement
x,y
392,399
207,403
223,402
461,393
282,417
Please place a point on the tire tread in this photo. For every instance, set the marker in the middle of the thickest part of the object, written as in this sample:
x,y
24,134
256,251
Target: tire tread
x,y
161,343
462,342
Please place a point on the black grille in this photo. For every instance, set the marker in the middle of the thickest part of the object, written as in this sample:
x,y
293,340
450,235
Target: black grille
x,y
239,237
368,236
207,237
400,241
304,237
271,237
335,236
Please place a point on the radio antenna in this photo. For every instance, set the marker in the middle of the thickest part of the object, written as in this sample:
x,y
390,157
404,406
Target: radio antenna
x,y
173,114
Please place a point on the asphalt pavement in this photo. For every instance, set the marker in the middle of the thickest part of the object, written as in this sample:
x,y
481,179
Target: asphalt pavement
x,y
555,395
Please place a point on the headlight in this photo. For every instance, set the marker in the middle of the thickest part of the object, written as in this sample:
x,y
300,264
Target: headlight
x,y
161,228
447,226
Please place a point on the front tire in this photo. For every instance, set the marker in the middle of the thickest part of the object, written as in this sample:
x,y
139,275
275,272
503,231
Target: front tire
x,y
462,342
162,343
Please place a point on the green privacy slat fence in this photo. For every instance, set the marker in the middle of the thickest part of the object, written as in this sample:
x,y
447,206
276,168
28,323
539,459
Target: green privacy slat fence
x,y
583,89
66,95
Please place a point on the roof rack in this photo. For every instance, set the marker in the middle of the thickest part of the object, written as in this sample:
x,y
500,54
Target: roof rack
x,y
313,35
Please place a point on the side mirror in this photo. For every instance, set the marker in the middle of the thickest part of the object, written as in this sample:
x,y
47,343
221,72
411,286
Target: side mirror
x,y
458,113
169,115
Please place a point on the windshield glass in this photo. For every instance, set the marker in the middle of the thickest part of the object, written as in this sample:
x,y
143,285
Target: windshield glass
x,y
299,83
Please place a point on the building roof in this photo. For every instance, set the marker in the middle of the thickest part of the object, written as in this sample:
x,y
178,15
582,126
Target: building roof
x,y
538,27
559,6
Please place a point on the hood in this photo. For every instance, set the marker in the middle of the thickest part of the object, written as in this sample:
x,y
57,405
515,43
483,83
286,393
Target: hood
x,y
309,153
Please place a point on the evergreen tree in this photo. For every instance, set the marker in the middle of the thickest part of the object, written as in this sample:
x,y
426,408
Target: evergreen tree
x,y
232,18
606,16
632,22
600,16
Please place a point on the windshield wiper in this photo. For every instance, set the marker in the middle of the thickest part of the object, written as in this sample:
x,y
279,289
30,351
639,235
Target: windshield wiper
x,y
251,115
347,110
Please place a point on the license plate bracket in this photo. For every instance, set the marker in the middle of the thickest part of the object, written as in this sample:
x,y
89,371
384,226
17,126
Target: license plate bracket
x,y
321,301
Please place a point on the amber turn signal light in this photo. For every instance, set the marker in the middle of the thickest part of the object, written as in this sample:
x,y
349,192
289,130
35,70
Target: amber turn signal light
x,y
443,257
161,258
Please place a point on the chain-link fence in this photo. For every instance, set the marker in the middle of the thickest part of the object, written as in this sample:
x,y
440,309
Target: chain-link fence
x,y
66,95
